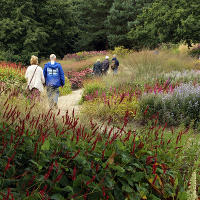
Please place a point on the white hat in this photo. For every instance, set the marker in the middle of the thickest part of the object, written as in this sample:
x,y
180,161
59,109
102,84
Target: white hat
x,y
107,57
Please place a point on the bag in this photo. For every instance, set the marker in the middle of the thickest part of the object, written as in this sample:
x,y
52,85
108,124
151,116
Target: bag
x,y
28,91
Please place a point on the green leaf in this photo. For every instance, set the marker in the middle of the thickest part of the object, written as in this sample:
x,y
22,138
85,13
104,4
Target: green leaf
x,y
153,197
46,146
57,197
138,176
182,196
35,163
118,168
127,188
68,189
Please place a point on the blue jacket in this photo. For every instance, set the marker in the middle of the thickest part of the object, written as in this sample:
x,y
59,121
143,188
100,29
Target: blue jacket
x,y
54,75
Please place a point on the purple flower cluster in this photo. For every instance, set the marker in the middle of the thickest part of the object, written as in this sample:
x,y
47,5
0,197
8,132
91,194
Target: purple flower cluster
x,y
183,91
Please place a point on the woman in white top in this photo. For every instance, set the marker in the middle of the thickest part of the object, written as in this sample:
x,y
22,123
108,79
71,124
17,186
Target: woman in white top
x,y
35,78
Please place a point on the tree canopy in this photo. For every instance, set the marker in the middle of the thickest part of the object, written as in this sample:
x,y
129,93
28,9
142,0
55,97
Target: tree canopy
x,y
167,21
64,26
35,27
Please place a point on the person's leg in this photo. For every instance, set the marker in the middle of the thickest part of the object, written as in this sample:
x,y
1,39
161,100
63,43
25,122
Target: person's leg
x,y
50,96
55,97
115,71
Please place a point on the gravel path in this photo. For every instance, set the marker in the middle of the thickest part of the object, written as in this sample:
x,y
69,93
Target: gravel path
x,y
70,102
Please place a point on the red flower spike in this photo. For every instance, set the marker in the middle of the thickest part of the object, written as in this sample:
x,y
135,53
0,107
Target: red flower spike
x,y
59,177
97,168
77,153
57,166
91,180
46,176
155,167
103,152
92,165
74,174
154,181
145,112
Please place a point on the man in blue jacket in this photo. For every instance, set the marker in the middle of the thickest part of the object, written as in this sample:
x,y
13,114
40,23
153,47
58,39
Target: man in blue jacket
x,y
54,78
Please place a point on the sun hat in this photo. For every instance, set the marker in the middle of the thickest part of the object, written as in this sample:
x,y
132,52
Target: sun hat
x,y
107,57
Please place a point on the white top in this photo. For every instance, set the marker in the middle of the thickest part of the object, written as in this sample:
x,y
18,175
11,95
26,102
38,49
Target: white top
x,y
38,79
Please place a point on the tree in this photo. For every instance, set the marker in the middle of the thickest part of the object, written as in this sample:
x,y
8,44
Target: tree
x,y
122,16
167,21
91,17
35,27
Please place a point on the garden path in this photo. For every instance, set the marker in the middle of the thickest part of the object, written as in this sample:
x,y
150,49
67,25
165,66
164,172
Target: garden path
x,y
70,102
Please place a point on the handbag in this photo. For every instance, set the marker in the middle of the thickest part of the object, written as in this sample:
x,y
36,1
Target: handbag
x,y
27,92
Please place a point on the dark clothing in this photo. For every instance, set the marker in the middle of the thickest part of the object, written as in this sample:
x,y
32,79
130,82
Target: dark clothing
x,y
97,69
105,66
116,63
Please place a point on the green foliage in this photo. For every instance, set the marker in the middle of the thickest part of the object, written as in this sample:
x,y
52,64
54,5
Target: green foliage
x,y
98,109
90,17
121,18
121,51
12,76
59,163
195,52
34,27
176,107
93,86
163,22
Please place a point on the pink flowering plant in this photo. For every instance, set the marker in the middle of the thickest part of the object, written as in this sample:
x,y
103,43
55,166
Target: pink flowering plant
x,y
77,78
12,75
42,157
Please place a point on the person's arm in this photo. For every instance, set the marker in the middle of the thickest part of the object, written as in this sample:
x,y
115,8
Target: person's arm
x,y
108,64
42,77
45,71
62,75
117,63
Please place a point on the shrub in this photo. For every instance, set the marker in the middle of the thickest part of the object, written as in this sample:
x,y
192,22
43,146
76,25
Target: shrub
x,y
111,104
85,55
12,75
45,159
121,51
185,76
66,89
110,109
77,78
91,88
176,107
195,52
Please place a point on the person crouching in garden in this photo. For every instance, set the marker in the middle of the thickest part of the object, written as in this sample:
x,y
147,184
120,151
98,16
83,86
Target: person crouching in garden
x,y
97,69
105,65
35,79
115,64
54,78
